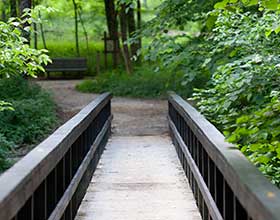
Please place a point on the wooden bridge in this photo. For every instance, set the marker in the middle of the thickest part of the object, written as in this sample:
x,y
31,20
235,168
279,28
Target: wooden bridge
x,y
137,177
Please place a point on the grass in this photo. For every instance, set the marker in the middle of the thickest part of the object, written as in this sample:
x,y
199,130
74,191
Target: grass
x,y
60,35
144,83
33,117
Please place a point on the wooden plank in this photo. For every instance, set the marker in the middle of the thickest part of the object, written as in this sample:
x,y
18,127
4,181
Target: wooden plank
x,y
139,178
256,194
64,202
20,181
213,210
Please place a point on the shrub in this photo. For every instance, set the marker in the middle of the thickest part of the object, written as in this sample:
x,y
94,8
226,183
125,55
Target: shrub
x,y
5,148
33,116
143,83
242,98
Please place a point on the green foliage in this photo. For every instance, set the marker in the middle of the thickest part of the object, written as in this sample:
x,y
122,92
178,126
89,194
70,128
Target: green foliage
x,y
258,135
5,148
16,57
236,45
33,116
143,83
262,4
238,99
5,106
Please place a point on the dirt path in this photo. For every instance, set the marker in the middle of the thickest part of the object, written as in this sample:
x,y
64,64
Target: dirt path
x,y
131,116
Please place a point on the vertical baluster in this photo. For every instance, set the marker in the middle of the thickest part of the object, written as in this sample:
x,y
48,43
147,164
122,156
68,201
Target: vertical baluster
x,y
219,190
61,178
26,211
40,202
51,188
239,212
205,166
205,212
211,177
228,202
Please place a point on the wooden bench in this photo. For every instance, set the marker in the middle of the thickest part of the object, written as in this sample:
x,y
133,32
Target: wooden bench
x,y
66,65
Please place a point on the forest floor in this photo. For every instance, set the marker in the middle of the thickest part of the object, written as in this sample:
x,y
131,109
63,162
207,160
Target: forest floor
x,y
131,116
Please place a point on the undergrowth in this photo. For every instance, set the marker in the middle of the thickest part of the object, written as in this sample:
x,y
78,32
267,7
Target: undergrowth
x,y
33,117
143,83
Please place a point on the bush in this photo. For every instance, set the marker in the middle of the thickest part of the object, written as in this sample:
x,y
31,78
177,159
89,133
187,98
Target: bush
x,y
5,147
33,116
143,83
242,99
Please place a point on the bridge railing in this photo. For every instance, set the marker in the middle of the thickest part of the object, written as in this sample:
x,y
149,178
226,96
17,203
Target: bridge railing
x,y
50,181
225,184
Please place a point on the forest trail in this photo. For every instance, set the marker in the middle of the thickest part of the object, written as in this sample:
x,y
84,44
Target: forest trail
x,y
136,117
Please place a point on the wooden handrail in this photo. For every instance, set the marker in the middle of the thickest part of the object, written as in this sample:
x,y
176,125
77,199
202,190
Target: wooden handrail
x,y
225,184
43,184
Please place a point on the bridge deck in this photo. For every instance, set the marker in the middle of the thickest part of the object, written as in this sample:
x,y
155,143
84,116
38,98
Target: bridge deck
x,y
139,178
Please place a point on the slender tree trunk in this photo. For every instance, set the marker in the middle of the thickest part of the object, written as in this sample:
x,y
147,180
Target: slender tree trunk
x,y
76,27
131,30
24,4
139,22
111,17
35,26
84,29
13,8
126,54
35,36
42,31
112,24
4,12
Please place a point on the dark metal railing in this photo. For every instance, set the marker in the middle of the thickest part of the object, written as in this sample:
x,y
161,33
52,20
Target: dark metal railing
x,y
50,181
225,184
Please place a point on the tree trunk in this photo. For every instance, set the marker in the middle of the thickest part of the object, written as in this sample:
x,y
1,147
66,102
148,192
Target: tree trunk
x,y
111,17
84,29
35,36
13,8
76,27
112,24
24,4
131,30
4,12
139,22
126,54
42,32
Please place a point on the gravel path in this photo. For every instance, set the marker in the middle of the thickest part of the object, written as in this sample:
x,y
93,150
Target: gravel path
x,y
132,117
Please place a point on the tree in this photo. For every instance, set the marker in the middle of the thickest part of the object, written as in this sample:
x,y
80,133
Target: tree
x,y
76,27
112,24
124,29
4,10
13,8
25,5
131,28
139,22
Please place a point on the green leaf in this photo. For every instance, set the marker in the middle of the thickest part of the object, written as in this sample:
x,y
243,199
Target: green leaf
x,y
263,159
221,5
271,4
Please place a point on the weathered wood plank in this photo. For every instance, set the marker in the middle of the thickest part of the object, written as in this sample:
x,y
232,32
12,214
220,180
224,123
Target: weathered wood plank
x,y
139,178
